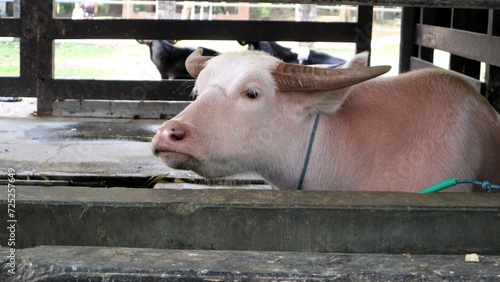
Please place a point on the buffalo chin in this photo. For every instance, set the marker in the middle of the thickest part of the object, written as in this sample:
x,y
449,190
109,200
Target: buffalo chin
x,y
188,162
178,160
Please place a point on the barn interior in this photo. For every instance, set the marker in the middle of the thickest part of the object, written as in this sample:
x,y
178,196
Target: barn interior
x,y
93,203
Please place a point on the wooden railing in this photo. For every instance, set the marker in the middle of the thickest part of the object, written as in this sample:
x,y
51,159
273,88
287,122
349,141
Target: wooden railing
x,y
471,36
37,29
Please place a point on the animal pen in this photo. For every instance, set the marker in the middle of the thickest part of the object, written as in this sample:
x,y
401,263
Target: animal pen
x,y
81,227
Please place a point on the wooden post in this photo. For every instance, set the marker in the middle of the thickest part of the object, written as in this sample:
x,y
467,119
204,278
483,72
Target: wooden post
x,y
407,45
363,38
471,20
492,77
36,15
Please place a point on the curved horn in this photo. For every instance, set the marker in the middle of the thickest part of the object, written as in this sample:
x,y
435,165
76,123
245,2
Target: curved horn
x,y
290,77
196,62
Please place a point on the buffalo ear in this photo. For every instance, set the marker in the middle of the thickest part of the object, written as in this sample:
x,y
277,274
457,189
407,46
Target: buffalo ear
x,y
329,102
196,62
359,60
324,102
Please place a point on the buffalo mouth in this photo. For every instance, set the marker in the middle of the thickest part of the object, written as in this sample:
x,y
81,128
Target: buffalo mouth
x,y
177,160
185,161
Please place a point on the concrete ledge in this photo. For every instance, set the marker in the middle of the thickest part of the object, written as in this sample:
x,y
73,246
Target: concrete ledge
x,y
259,220
118,108
63,263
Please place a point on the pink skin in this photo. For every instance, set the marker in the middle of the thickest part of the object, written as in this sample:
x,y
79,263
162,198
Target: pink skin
x,y
387,134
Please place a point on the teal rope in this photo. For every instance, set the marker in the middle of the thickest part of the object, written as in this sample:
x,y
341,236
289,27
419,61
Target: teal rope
x,y
308,153
453,181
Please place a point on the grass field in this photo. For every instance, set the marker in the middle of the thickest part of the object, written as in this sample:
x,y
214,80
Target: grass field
x,y
9,58
128,60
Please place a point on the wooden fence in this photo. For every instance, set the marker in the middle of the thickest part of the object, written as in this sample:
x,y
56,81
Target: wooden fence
x,y
471,36
421,33
37,30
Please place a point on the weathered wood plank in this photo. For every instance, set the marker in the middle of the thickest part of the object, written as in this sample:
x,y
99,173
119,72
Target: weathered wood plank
x,y
407,47
36,51
15,86
209,30
177,90
181,185
118,108
467,44
258,220
10,27
77,263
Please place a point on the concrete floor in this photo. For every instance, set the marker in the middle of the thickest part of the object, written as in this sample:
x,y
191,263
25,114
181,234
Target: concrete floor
x,y
48,145
80,145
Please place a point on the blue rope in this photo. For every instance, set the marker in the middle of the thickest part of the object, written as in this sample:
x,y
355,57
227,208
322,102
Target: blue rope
x,y
484,184
309,149
453,181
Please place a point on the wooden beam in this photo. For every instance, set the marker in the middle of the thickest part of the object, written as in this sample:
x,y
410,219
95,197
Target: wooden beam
x,y
467,44
10,27
209,30
260,220
16,87
407,46
80,263
177,90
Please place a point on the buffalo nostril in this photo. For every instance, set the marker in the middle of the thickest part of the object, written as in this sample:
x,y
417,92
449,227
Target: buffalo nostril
x,y
177,135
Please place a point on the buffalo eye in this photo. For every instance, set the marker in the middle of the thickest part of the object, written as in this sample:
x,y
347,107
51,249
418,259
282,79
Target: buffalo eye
x,y
252,93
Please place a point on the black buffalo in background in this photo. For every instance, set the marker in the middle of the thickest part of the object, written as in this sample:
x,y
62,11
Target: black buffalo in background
x,y
300,55
169,59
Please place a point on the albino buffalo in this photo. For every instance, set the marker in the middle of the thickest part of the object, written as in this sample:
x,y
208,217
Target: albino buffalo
x,y
331,129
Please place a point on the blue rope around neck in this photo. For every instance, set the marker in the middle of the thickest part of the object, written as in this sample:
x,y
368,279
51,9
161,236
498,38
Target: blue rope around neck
x,y
308,153
488,187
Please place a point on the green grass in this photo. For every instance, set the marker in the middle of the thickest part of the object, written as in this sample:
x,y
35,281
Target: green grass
x,y
9,51
116,60
9,70
71,50
99,59
9,58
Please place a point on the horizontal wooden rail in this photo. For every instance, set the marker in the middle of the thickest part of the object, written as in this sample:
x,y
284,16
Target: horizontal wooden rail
x,y
10,27
177,90
454,40
77,263
212,30
16,87
259,220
